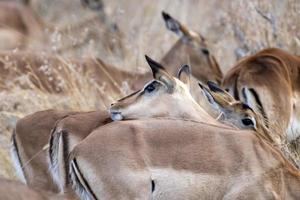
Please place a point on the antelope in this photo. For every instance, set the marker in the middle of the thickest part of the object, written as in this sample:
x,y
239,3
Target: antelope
x,y
190,48
271,77
13,190
179,159
236,112
69,131
23,59
145,159
242,116
163,90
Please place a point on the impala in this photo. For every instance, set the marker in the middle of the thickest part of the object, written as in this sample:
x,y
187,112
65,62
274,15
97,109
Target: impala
x,y
71,130
271,78
179,159
191,48
22,63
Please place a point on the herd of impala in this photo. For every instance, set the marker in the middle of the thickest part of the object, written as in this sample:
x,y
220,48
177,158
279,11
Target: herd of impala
x,y
187,132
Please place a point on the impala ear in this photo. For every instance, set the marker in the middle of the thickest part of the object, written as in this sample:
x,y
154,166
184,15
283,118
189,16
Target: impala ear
x,y
222,93
159,73
184,74
172,24
207,93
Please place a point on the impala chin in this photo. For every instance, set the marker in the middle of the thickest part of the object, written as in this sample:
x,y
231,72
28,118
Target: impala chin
x,y
116,116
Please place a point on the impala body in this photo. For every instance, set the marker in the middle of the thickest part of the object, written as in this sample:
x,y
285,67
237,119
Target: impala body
x,y
179,159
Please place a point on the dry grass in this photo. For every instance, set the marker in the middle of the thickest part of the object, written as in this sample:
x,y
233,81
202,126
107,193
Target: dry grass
x,y
232,28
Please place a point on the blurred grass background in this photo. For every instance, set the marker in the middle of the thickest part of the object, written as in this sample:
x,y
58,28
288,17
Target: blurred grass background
x,y
233,29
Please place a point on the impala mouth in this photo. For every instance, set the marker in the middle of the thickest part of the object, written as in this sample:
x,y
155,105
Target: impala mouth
x,y
116,116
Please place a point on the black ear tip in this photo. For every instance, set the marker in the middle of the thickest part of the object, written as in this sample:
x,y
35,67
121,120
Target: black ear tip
x,y
152,63
214,87
149,60
147,57
200,85
165,15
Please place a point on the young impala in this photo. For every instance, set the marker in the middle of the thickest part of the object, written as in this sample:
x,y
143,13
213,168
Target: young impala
x,y
271,77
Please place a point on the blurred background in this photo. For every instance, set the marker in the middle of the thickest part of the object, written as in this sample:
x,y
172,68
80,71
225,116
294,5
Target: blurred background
x,y
232,29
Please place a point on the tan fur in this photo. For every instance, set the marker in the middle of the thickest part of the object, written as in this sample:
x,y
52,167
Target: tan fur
x,y
12,190
187,50
212,163
71,130
29,140
274,75
77,127
67,133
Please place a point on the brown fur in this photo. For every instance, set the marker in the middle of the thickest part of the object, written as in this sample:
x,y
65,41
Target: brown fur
x,y
67,133
188,50
30,137
12,190
274,75
211,163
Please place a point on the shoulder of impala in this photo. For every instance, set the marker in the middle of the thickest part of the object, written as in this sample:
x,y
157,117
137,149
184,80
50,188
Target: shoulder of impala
x,y
157,157
66,134
29,148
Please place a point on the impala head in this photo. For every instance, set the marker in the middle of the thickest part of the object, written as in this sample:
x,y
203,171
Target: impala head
x,y
163,96
232,111
192,49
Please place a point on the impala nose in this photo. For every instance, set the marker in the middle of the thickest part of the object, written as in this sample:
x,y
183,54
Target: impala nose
x,y
115,115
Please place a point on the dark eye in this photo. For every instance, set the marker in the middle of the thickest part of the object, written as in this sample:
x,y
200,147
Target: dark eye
x,y
248,122
150,88
205,51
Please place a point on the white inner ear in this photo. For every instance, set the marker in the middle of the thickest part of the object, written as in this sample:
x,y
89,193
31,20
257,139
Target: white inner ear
x,y
249,99
185,78
210,99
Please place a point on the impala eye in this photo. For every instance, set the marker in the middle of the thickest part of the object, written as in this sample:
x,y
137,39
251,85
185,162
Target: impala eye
x,y
150,88
248,122
205,51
